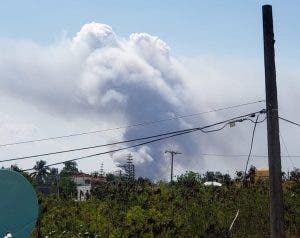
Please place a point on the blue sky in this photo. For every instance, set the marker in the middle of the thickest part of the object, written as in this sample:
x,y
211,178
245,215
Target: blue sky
x,y
190,27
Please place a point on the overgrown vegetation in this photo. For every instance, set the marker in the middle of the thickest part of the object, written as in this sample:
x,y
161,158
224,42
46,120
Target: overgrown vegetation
x,y
122,207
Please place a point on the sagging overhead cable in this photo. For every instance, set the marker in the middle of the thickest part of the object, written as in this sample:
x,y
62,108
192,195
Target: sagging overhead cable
x,y
141,124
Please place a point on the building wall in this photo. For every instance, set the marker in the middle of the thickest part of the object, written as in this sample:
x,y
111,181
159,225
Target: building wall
x,y
83,186
82,180
83,192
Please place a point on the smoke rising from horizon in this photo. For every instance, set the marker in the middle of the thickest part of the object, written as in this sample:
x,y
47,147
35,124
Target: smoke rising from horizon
x,y
119,80
123,81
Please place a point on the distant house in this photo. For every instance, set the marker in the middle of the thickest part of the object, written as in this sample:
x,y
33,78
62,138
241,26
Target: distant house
x,y
261,174
84,184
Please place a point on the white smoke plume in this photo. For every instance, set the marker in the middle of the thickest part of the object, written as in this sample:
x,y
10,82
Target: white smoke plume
x,y
123,81
119,80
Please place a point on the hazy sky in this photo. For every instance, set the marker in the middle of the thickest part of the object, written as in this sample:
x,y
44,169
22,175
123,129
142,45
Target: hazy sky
x,y
59,78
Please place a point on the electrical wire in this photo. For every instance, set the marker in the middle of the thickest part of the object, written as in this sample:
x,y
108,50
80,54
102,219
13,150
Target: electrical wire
x,y
294,123
287,151
214,130
147,123
133,140
244,155
249,119
246,167
165,136
111,151
283,142
95,146
251,145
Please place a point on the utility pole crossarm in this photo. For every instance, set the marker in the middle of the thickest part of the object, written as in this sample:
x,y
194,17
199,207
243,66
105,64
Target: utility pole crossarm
x,y
172,153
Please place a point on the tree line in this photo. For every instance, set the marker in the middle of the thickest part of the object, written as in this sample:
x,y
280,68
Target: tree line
x,y
139,207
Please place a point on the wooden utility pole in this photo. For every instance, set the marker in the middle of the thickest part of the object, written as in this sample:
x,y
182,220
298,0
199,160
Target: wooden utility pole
x,y
172,153
276,198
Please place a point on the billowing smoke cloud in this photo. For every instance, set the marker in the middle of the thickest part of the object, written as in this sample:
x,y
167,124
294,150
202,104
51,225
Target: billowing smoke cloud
x,y
124,81
119,80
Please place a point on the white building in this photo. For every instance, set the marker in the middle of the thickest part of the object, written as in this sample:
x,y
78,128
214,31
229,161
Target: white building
x,y
83,186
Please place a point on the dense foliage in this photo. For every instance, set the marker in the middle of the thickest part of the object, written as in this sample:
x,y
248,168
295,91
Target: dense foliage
x,y
122,207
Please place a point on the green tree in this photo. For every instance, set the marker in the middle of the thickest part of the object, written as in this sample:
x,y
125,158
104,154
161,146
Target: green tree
x,y
16,168
142,208
295,175
41,172
189,179
67,187
209,176
251,174
69,169
227,180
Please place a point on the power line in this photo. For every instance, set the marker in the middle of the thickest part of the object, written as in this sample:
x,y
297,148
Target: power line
x,y
283,142
246,167
245,155
287,151
113,151
238,119
147,123
93,147
249,119
251,146
294,123
169,135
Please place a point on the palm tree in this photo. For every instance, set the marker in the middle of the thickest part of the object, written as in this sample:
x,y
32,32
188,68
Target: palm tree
x,y
41,172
